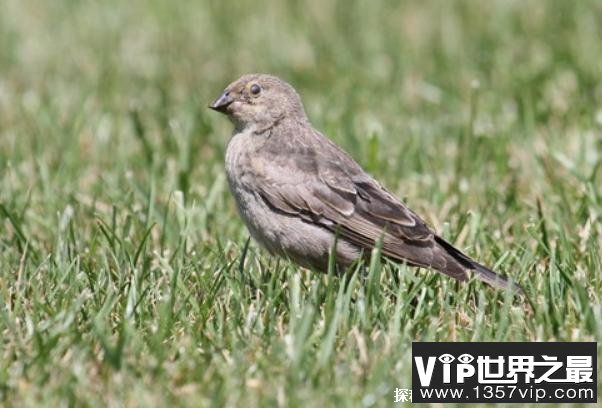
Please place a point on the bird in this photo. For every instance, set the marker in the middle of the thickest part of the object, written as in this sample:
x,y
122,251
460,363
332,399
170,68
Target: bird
x,y
303,197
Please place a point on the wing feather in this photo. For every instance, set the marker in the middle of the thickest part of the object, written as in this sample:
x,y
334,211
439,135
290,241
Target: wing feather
x,y
338,195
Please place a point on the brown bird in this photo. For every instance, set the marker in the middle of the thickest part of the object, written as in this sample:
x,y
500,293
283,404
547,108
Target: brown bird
x,y
297,191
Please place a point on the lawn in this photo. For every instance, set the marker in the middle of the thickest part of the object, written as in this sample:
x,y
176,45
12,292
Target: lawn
x,y
126,276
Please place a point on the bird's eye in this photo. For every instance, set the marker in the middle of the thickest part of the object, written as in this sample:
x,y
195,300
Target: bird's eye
x,y
255,89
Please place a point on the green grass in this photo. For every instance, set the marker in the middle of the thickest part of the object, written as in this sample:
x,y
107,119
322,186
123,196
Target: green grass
x,y
125,277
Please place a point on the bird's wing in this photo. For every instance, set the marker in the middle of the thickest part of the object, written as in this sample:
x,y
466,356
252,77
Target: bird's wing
x,y
320,183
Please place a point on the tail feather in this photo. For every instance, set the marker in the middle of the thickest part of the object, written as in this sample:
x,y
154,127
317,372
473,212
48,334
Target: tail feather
x,y
497,281
482,272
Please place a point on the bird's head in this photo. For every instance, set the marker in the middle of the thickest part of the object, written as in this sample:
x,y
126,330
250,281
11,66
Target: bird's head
x,y
259,100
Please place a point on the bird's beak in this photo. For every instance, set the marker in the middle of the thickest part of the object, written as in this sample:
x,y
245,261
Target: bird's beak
x,y
222,102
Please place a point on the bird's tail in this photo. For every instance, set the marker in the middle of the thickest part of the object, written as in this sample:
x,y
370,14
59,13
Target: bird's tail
x,y
482,272
497,281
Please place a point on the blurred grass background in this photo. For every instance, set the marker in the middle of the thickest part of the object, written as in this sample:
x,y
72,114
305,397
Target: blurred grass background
x,y
124,275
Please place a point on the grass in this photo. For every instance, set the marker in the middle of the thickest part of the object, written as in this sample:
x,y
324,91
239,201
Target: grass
x,y
126,277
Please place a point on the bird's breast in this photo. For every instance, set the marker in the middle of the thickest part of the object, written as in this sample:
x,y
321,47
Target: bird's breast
x,y
241,163
242,177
